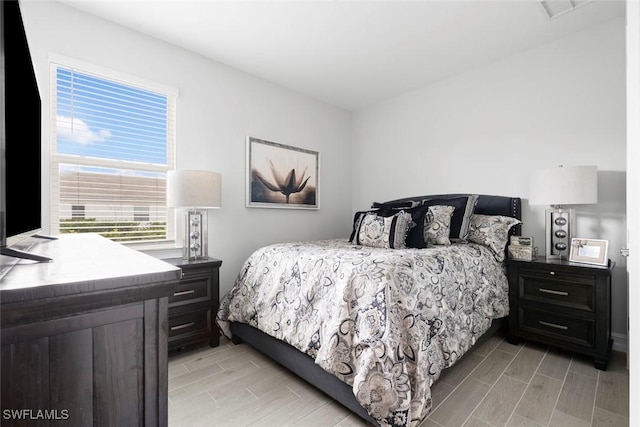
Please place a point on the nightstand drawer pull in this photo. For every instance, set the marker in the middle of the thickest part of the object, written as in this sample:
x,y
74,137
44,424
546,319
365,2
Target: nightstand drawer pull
x,y
178,294
553,273
553,325
184,325
552,292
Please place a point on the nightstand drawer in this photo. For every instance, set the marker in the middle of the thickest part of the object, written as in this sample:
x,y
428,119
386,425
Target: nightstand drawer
x,y
188,323
554,325
572,294
548,272
194,303
191,289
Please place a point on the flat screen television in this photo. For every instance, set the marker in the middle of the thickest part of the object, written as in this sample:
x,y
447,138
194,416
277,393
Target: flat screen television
x,y
20,137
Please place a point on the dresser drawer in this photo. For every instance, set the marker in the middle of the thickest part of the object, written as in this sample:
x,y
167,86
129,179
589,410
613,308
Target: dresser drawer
x,y
568,291
192,288
188,323
553,325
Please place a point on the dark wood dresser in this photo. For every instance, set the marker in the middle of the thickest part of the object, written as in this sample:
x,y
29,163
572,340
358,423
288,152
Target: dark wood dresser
x,y
562,304
84,338
194,303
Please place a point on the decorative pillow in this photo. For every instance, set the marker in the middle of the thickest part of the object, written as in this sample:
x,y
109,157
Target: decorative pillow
x,y
464,206
492,231
384,232
357,218
438,225
415,235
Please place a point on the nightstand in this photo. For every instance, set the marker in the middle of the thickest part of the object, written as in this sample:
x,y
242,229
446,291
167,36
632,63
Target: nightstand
x,y
562,304
194,303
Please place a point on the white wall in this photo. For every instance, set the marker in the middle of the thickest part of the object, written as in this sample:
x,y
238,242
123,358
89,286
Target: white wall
x,y
482,131
485,130
217,108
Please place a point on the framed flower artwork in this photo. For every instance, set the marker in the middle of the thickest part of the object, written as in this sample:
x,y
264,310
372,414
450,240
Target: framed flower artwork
x,y
281,176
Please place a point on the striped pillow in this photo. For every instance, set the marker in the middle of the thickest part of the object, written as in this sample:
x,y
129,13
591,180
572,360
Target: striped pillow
x,y
384,232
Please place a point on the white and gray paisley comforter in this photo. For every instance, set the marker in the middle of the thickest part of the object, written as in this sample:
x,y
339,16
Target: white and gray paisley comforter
x,y
386,321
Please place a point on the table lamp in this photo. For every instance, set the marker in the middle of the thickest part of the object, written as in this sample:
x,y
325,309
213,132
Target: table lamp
x,y
196,191
558,187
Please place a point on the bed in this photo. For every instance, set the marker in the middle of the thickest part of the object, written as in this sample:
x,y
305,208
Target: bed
x,y
374,319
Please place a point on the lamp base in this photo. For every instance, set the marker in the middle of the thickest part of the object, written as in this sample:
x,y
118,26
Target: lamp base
x,y
559,230
195,235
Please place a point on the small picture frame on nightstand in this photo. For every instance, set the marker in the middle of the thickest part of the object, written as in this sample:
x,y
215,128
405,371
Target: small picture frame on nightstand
x,y
589,251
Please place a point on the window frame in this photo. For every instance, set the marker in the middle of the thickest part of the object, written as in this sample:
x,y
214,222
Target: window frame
x,y
56,159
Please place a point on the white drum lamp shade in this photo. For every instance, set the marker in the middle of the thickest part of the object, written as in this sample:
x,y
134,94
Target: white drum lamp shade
x,y
559,187
196,191
565,185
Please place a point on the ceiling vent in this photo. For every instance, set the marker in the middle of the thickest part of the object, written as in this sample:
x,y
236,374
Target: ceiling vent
x,y
555,8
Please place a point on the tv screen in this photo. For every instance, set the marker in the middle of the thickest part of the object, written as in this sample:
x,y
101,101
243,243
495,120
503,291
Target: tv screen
x,y
20,150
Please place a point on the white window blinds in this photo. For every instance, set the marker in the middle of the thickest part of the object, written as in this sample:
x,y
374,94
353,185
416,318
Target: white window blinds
x,y
113,141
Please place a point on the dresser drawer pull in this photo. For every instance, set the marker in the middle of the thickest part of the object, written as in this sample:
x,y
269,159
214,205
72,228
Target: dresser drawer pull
x,y
553,325
184,325
179,294
552,292
553,273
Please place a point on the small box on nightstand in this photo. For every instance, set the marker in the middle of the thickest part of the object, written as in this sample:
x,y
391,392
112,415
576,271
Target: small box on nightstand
x,y
521,248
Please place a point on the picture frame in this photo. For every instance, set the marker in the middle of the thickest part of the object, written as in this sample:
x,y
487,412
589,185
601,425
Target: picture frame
x,y
589,251
281,176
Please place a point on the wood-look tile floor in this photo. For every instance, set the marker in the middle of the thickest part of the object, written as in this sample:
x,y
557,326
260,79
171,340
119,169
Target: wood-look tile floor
x,y
496,384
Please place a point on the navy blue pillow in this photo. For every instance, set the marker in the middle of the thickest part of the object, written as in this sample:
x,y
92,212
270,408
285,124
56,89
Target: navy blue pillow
x,y
464,207
394,205
415,236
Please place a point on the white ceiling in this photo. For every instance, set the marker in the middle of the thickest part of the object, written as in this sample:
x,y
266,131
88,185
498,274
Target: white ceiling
x,y
351,53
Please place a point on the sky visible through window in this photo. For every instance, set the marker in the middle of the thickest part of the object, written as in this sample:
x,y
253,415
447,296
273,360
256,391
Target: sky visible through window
x,y
109,120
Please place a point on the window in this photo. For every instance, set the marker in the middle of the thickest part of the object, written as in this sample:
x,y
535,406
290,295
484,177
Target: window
x,y
141,213
77,211
113,140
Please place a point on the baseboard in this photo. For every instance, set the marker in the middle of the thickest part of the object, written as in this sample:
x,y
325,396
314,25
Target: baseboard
x,y
619,342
